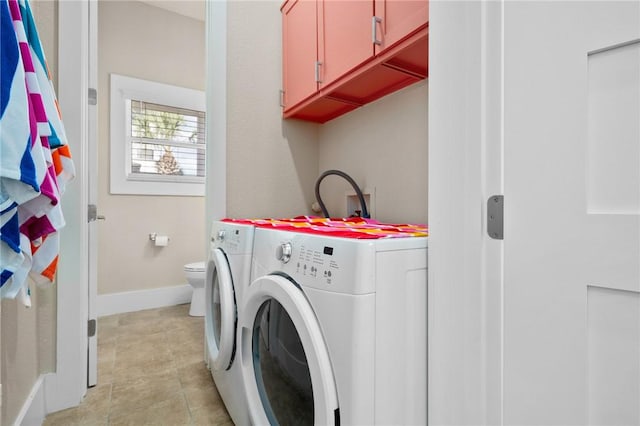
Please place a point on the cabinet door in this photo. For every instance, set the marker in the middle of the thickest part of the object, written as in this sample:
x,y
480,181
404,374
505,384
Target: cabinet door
x,y
398,19
344,38
300,52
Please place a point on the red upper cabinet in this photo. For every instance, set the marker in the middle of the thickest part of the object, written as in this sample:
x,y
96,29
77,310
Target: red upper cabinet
x,y
341,54
300,51
397,19
344,37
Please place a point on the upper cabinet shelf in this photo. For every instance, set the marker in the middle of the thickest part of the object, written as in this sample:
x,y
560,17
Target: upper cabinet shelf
x,y
341,54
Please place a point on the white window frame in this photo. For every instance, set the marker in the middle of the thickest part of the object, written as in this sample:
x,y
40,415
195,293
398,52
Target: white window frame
x,y
124,89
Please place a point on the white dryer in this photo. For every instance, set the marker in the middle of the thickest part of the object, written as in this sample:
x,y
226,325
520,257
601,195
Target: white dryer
x,y
334,330
228,275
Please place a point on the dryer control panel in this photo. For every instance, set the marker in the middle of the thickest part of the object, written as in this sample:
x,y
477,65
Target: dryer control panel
x,y
233,238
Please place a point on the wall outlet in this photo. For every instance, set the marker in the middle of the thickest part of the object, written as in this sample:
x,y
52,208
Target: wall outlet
x,y
353,203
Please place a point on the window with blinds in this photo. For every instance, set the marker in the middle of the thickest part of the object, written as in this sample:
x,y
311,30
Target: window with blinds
x,y
166,140
157,138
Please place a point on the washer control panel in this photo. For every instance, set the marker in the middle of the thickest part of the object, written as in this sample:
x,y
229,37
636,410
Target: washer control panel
x,y
316,262
332,264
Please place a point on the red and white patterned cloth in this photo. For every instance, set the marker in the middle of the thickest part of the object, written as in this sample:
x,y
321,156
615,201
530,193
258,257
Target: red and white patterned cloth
x,y
350,227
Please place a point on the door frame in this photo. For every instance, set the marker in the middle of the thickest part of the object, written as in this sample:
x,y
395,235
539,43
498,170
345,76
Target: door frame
x,y
466,282
216,92
67,386
92,195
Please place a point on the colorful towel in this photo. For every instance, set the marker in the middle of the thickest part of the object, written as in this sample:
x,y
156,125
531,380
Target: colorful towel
x,y
18,175
36,161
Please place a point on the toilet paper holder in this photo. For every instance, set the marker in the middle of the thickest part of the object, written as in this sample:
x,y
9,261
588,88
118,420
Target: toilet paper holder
x,y
153,235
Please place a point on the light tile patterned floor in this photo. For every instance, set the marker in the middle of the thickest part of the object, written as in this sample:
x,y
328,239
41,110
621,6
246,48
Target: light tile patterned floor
x,y
150,372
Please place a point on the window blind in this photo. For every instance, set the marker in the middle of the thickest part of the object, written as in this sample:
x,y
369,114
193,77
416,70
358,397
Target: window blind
x,y
166,140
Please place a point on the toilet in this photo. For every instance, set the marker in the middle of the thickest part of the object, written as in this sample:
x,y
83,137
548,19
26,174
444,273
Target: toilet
x,y
195,273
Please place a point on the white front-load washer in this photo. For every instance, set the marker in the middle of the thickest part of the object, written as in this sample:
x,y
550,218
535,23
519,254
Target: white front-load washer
x,y
334,330
228,275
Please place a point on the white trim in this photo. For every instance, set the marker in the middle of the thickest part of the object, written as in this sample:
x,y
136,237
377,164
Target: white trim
x,y
68,385
216,173
33,410
465,167
122,90
138,300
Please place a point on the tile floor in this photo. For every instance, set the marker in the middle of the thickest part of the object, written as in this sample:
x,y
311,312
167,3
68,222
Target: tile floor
x,y
150,372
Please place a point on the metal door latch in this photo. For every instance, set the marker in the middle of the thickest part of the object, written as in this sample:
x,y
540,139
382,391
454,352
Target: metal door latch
x,y
495,217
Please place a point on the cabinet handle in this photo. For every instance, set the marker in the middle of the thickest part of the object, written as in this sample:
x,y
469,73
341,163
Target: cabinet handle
x,y
374,30
282,98
318,63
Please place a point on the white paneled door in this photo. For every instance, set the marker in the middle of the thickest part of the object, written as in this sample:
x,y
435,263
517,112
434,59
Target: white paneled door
x,y
571,337
540,102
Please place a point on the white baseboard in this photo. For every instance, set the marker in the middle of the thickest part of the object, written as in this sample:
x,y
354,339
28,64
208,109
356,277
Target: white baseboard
x,y
33,410
138,300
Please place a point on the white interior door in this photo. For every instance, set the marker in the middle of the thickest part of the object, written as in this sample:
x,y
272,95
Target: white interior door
x,y
572,213
92,195
539,101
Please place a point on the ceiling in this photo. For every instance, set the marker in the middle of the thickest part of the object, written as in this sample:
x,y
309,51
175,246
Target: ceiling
x,y
191,8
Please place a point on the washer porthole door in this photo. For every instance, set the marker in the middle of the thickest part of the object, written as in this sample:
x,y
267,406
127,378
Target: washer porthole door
x,y
285,362
220,315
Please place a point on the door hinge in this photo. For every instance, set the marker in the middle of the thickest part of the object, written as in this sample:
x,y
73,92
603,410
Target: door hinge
x,y
93,96
495,217
92,212
91,326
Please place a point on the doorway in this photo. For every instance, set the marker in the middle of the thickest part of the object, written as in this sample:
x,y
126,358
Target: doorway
x,y
131,271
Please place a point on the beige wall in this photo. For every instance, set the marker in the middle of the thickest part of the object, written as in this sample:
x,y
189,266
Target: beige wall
x,y
46,14
27,341
150,43
20,368
382,145
272,164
